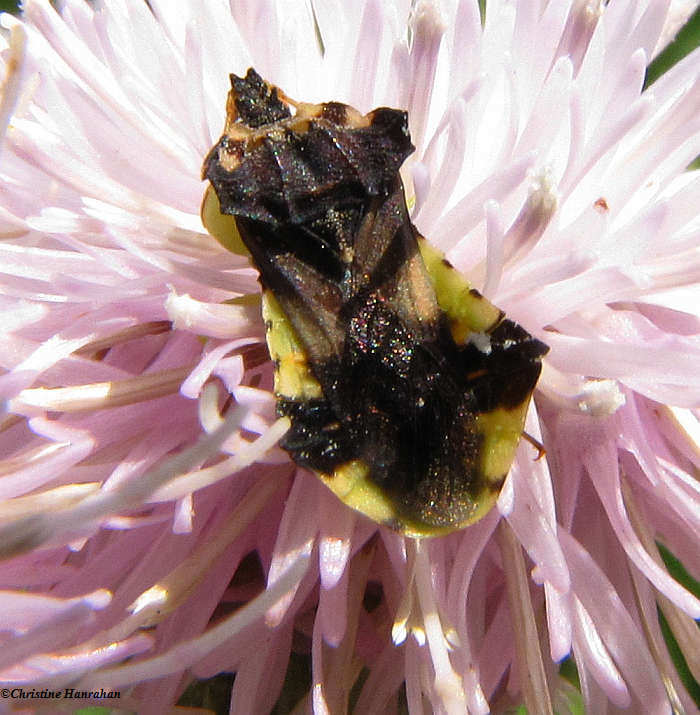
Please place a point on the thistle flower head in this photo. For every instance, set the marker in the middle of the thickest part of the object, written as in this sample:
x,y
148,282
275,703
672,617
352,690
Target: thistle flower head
x,y
153,531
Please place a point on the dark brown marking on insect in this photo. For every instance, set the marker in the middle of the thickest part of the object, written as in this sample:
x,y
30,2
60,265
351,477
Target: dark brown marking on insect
x,y
335,112
511,367
497,322
320,206
256,101
447,263
495,485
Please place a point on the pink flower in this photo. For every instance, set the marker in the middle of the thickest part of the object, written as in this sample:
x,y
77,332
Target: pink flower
x,y
152,531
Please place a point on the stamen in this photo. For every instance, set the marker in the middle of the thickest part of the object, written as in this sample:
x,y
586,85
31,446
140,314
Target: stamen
x,y
426,626
31,532
46,501
154,327
494,248
166,595
8,421
12,84
534,216
448,684
404,613
597,398
102,395
652,642
209,415
426,30
245,456
30,457
533,681
190,651
682,428
593,10
682,625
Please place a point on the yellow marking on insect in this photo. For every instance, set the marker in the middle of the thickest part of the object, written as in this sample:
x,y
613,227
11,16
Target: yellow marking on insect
x,y
501,430
467,310
350,482
293,376
220,225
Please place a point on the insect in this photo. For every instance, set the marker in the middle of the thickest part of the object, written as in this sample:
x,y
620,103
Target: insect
x,y
406,389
